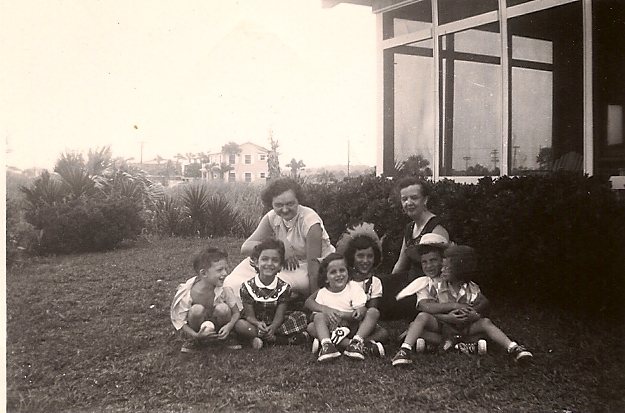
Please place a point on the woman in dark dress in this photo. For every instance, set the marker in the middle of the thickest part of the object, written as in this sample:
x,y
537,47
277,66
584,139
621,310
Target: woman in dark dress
x,y
414,194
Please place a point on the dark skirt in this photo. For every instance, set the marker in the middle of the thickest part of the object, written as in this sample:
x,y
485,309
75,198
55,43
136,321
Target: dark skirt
x,y
390,308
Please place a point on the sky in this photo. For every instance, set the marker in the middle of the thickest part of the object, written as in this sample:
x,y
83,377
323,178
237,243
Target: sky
x,y
157,78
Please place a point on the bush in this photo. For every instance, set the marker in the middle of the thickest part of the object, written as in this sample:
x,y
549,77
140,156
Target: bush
x,y
86,225
554,240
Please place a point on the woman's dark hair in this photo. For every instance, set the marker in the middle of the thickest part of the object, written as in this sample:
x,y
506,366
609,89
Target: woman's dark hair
x,y
413,180
280,186
267,244
362,242
322,278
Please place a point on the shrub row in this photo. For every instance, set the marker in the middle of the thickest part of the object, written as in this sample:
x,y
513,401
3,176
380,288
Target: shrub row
x,y
552,240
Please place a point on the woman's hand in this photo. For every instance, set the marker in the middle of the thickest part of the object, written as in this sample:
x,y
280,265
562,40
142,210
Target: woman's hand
x,y
291,263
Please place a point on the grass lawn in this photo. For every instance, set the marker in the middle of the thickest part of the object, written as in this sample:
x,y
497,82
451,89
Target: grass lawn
x,y
91,333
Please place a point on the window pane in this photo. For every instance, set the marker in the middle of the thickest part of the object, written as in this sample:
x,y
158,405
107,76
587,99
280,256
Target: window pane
x,y
532,112
547,108
410,19
414,109
454,10
471,109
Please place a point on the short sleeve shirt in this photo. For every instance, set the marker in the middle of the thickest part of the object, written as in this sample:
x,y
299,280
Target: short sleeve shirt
x,y
441,291
372,287
294,234
182,301
351,298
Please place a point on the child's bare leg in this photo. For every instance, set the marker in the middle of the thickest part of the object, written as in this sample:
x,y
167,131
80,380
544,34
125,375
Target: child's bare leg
x,y
486,326
320,322
367,325
245,328
422,322
379,334
431,337
221,315
196,316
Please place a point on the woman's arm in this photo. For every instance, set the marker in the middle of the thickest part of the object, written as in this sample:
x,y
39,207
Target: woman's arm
x,y
262,231
313,253
403,262
440,230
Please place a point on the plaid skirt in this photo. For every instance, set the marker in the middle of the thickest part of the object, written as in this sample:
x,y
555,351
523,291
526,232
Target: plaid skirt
x,y
294,322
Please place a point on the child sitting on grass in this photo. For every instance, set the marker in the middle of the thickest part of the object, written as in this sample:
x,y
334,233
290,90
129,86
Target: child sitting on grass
x,y
203,308
265,299
362,249
342,304
453,299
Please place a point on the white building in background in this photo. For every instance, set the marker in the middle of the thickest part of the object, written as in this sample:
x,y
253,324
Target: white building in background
x,y
250,165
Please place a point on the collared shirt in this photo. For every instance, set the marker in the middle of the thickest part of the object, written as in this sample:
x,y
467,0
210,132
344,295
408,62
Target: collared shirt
x,y
182,301
265,299
441,291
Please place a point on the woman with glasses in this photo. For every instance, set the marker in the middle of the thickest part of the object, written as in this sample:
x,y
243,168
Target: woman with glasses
x,y
300,229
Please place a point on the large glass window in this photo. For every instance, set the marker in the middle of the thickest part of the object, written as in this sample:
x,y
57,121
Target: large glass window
x,y
414,107
546,112
471,102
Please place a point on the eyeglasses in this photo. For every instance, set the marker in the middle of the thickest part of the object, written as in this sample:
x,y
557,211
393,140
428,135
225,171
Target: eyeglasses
x,y
290,204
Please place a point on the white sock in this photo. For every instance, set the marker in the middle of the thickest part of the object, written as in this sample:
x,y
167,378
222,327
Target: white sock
x,y
406,346
358,338
325,340
512,345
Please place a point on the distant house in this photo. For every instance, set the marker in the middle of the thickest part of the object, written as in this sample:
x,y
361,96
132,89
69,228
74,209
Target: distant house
x,y
248,166
500,87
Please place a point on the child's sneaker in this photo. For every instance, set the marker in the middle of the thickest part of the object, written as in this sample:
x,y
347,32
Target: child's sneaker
x,y
520,353
257,343
355,349
374,348
401,358
466,348
191,346
315,346
328,352
338,334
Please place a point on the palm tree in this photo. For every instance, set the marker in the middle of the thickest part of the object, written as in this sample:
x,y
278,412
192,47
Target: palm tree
x,y
178,157
230,149
273,164
295,167
159,159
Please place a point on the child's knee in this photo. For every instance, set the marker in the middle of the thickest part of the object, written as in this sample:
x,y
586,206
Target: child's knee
x,y
197,310
222,313
373,312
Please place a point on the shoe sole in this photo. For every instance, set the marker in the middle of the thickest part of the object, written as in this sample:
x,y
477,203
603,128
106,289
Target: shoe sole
x,y
523,357
401,362
257,344
330,356
354,355
315,346
482,348
380,347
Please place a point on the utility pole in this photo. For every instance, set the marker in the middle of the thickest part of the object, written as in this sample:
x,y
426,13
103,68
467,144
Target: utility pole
x,y
514,149
348,158
141,158
494,154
